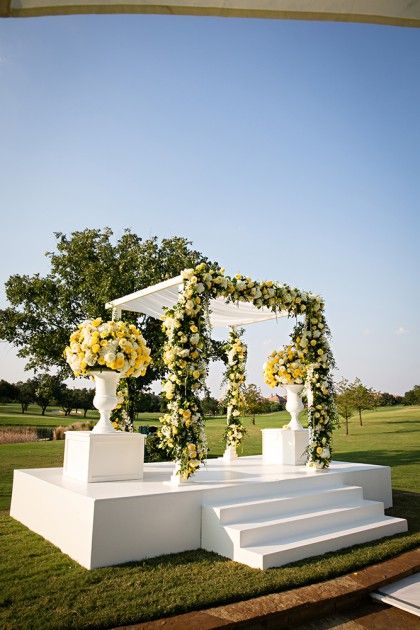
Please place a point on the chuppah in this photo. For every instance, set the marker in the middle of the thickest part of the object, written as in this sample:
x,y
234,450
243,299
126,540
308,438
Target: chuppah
x,y
290,503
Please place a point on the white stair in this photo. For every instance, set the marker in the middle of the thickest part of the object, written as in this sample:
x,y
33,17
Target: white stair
x,y
274,530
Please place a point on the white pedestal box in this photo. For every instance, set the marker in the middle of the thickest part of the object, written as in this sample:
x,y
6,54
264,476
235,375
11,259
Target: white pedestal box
x,y
285,446
93,457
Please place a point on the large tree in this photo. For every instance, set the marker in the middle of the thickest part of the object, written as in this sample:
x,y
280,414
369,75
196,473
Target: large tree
x,y
88,269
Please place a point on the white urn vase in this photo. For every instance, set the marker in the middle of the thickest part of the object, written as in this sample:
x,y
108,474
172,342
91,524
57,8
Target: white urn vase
x,y
105,400
294,405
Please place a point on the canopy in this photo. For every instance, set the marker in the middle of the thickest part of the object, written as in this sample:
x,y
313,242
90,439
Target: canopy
x,y
151,301
394,12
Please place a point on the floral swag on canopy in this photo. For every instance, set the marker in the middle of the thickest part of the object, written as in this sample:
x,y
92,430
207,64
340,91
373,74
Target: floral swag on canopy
x,y
187,347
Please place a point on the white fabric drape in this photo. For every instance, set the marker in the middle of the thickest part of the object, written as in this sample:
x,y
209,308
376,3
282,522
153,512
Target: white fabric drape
x,y
151,301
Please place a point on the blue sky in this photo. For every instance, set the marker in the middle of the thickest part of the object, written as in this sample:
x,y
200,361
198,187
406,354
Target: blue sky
x,y
284,150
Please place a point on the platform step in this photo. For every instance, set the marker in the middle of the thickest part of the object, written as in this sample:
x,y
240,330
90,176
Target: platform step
x,y
270,531
292,503
274,554
304,524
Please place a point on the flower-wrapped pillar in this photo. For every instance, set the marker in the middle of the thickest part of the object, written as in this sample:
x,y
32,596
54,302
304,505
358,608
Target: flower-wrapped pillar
x,y
235,376
182,431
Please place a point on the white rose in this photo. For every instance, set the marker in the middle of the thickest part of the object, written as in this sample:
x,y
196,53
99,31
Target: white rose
x,y
194,339
90,358
109,357
187,274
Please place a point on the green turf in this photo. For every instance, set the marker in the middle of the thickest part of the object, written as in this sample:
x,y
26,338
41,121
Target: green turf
x,y
42,588
76,598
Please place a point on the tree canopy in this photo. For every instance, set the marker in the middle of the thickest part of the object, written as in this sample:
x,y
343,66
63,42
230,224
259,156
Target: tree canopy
x,y
88,269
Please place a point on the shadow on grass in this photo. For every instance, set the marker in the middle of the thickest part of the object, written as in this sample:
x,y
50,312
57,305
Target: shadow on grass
x,y
382,458
172,560
406,505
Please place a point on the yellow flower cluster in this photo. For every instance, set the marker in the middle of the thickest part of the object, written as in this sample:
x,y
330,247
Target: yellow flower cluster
x,y
110,345
285,367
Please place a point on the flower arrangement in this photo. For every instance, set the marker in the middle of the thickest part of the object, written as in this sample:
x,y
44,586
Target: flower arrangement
x,y
285,367
185,325
110,345
235,377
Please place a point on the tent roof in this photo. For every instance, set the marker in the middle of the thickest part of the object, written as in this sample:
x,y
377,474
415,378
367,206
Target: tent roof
x,y
152,300
393,12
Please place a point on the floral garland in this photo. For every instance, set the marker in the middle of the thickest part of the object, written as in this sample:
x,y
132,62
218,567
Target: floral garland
x,y
185,325
110,345
119,416
235,376
285,367
182,429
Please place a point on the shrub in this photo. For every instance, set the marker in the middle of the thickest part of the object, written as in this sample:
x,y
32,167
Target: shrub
x,y
58,433
15,435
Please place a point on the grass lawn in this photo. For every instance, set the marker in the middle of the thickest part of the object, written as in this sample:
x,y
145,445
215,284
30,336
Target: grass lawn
x,y
102,598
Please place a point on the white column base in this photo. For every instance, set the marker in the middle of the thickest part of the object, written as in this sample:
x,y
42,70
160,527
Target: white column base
x,y
285,446
92,457
176,480
230,455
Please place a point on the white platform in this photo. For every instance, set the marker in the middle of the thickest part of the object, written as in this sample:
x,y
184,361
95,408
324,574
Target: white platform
x,y
93,457
107,523
285,446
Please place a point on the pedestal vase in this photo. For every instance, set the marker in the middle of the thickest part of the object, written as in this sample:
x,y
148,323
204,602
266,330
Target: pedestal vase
x,y
105,400
294,406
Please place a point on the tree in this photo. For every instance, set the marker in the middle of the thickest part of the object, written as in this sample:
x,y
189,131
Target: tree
x,y
363,398
8,392
25,393
147,401
384,399
412,397
253,401
67,398
88,269
210,406
345,401
84,399
47,388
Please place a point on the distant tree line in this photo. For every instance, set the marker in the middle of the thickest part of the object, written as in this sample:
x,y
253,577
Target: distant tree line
x,y
355,397
46,390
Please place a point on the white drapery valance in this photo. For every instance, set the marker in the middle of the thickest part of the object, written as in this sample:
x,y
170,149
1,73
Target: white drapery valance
x,y
154,299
